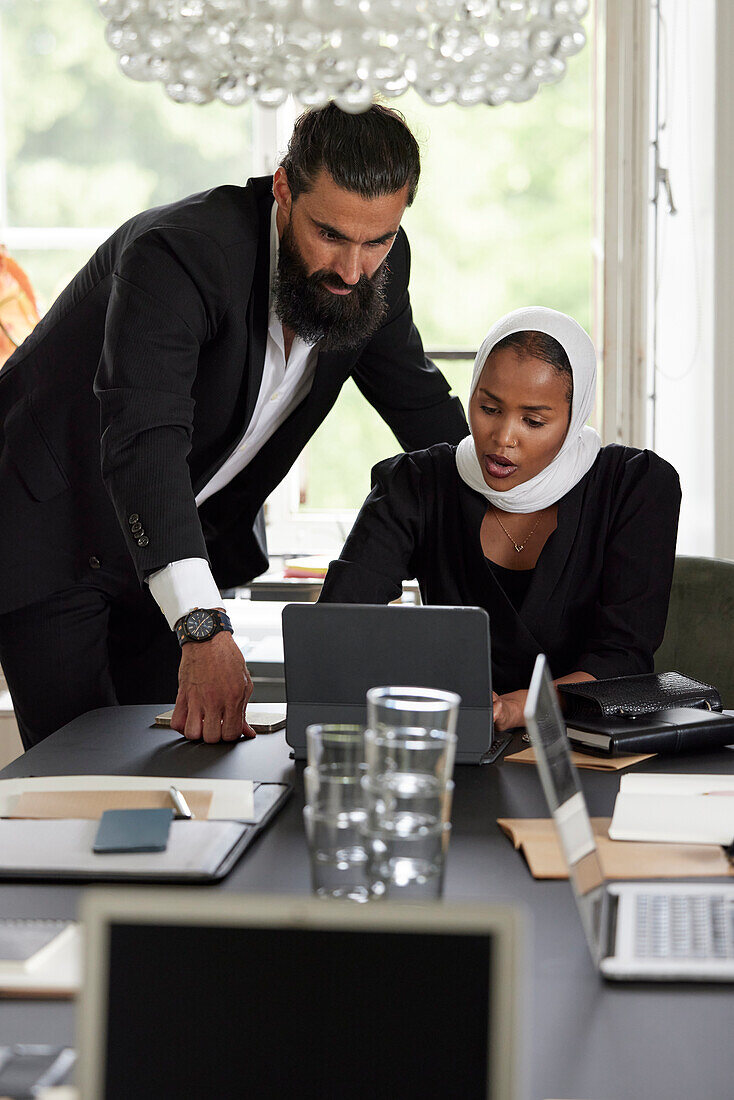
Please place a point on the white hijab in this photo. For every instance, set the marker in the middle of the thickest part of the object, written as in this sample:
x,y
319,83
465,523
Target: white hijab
x,y
581,445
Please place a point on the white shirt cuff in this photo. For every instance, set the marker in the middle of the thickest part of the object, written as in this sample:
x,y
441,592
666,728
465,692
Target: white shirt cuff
x,y
183,585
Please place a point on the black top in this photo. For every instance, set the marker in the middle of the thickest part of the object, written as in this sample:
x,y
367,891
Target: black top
x,y
597,599
513,582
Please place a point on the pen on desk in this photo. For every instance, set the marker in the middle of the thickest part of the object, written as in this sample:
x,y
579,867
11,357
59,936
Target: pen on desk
x,y
182,806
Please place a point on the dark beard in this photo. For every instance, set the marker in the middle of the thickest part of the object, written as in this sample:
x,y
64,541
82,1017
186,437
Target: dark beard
x,y
304,304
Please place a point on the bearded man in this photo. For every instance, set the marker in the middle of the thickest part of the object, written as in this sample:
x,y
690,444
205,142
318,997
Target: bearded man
x,y
166,393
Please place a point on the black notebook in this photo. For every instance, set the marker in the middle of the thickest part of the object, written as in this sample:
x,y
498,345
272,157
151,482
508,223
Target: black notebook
x,y
678,729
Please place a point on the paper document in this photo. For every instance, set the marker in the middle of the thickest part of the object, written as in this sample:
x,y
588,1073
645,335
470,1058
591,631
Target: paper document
x,y
537,839
232,799
682,809
582,760
92,804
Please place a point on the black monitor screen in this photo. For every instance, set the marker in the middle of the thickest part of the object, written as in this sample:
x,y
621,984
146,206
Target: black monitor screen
x,y
253,1012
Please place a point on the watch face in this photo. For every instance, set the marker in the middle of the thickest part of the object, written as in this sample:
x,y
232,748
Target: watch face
x,y
199,624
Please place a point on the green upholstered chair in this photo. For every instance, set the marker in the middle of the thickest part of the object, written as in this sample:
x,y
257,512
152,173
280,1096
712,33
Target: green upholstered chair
x,y
699,636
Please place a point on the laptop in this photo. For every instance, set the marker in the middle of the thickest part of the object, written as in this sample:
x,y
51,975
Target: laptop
x,y
195,993
335,652
659,931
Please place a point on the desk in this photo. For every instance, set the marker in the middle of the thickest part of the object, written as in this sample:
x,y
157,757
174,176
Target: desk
x,y
585,1040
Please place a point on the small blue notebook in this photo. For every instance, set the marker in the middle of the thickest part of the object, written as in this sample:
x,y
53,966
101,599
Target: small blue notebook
x,y
133,831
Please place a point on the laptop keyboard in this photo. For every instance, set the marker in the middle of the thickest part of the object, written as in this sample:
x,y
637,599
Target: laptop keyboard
x,y
688,926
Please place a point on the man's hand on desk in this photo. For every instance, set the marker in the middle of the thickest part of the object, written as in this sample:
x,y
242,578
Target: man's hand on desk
x,y
214,687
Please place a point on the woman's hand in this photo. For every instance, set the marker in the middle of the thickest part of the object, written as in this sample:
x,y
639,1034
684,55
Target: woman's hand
x,y
508,710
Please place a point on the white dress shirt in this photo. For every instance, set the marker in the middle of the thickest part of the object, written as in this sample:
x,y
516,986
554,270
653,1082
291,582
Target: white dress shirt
x,y
186,584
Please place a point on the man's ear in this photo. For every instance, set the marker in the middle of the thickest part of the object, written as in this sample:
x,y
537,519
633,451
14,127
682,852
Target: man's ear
x,y
282,192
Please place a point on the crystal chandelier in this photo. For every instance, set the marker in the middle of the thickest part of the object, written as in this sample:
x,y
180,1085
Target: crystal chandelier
x,y
349,51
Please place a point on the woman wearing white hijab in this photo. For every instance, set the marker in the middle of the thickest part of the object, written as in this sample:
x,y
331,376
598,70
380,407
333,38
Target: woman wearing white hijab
x,y
568,545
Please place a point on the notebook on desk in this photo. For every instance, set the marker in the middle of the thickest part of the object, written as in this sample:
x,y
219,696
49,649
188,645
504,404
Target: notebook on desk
x,y
221,995
335,652
198,851
635,931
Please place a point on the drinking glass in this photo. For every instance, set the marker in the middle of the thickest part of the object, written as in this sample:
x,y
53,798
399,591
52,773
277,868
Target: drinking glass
x,y
335,811
411,709
409,754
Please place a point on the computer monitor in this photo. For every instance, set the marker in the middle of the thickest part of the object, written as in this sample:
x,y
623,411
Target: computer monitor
x,y
196,993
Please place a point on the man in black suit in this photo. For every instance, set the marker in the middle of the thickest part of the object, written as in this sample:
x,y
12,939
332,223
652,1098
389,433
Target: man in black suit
x,y
167,392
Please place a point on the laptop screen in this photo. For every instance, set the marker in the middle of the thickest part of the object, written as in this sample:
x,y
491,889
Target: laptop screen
x,y
566,802
196,1010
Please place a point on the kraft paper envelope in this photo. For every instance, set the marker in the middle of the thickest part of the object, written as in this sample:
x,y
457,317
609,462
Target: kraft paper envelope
x,y
585,760
536,838
232,799
92,804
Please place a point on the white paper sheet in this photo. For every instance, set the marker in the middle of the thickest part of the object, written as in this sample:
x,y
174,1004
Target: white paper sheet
x,y
232,799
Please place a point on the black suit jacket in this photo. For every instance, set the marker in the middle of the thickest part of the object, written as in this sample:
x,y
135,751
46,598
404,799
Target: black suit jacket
x,y
142,377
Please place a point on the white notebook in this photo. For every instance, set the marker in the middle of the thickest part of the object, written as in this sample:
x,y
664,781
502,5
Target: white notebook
x,y
679,809
55,971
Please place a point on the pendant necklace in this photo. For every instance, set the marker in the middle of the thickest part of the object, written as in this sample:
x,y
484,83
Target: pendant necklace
x,y
522,545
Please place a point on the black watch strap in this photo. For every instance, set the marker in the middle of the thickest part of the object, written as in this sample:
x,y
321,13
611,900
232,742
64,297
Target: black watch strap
x,y
201,624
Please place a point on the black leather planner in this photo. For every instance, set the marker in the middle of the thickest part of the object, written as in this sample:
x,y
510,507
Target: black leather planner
x,y
677,729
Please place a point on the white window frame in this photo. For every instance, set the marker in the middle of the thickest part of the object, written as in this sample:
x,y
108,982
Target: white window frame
x,y
723,283
626,175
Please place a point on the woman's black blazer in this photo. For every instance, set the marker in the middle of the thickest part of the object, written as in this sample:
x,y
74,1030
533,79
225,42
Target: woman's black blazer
x,y
598,598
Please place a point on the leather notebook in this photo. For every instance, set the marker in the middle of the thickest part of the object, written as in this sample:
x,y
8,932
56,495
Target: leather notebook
x,y
677,729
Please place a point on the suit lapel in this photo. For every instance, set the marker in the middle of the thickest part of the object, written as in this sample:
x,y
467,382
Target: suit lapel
x,y
257,310
257,335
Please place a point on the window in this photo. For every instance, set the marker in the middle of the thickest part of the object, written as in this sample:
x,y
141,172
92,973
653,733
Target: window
x,y
507,211
84,148
504,217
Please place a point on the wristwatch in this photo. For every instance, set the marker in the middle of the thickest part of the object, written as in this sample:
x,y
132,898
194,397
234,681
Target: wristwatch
x,y
201,624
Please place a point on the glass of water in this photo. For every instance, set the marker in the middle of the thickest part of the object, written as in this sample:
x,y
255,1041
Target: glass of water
x,y
410,749
335,811
411,709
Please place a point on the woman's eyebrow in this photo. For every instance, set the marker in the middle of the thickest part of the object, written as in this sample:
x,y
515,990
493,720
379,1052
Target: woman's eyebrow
x,y
528,408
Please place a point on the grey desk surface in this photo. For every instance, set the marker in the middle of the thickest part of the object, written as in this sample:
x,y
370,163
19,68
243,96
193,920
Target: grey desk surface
x,y
584,1039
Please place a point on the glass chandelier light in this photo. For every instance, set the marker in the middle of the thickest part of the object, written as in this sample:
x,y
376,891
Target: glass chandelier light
x,y
461,51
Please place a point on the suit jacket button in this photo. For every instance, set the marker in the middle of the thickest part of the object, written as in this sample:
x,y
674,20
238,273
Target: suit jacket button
x,y
137,528
143,540
94,562
133,518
